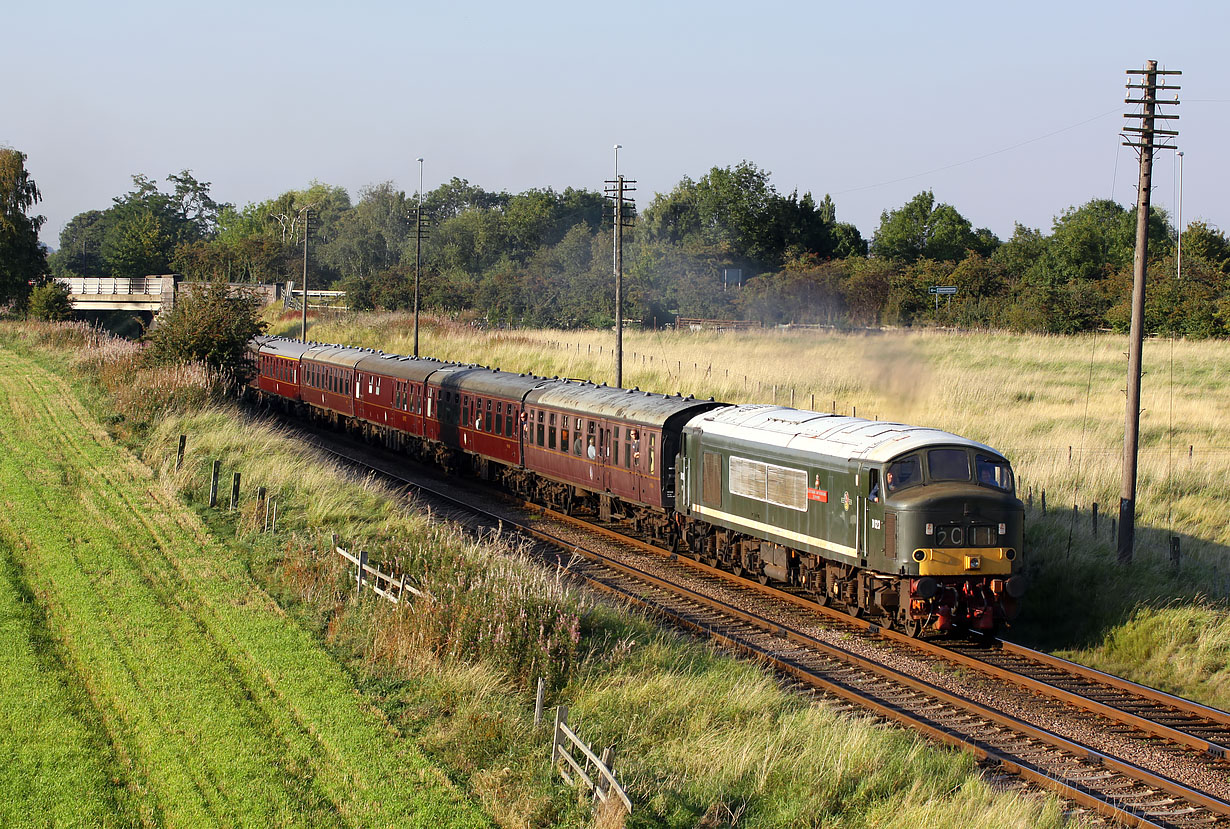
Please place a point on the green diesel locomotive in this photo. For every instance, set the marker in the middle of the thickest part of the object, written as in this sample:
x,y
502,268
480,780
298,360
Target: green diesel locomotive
x,y
914,526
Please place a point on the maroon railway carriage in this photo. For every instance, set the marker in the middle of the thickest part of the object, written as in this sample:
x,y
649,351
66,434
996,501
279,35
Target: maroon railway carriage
x,y
393,398
278,368
478,411
614,448
329,378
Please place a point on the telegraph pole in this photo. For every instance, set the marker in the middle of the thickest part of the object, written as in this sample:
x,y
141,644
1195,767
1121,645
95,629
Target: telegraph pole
x,y
307,224
1145,134
624,216
418,256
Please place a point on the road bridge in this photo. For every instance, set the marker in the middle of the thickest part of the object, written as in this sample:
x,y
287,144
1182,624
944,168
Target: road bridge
x,y
118,293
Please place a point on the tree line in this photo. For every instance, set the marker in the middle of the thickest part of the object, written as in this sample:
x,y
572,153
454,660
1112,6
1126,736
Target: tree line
x,y
544,257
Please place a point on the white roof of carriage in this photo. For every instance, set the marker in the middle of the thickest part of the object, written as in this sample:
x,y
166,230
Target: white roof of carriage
x,y
852,438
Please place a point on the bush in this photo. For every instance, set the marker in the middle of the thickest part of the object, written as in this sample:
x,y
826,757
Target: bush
x,y
212,325
50,301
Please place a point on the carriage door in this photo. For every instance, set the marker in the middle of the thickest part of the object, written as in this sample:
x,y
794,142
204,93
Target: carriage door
x,y
604,455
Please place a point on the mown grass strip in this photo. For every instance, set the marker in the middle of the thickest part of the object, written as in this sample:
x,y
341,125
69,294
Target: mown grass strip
x,y
57,765
224,710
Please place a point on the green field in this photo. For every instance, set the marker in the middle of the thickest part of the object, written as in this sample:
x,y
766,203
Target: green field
x,y
147,678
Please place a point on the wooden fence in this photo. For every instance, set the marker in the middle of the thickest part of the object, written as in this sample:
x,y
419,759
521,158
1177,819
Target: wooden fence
x,y
601,781
382,584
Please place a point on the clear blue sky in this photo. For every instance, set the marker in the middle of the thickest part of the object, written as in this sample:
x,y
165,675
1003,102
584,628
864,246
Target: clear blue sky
x,y
871,102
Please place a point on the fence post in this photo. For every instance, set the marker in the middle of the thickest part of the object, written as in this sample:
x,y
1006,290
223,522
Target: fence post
x,y
561,718
268,504
213,484
234,491
607,759
1095,519
401,591
362,562
1112,531
179,456
538,700
273,524
1044,502
1174,550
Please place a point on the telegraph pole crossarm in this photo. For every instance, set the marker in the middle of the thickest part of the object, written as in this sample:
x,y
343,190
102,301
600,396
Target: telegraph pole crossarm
x,y
1131,430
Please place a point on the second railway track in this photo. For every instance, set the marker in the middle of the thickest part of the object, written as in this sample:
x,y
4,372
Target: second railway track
x,y
1182,783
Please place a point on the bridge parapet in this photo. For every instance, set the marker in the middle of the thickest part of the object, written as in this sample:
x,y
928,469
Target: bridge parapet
x,y
118,293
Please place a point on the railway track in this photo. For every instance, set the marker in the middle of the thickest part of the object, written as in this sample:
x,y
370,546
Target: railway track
x,y
752,624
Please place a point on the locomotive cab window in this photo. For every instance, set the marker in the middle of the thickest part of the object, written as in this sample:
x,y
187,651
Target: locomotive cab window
x,y
903,473
993,473
948,464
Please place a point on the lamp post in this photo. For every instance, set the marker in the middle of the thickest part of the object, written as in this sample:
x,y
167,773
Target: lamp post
x,y
418,256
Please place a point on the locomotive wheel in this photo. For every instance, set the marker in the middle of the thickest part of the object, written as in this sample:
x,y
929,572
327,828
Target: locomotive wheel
x,y
914,628
762,578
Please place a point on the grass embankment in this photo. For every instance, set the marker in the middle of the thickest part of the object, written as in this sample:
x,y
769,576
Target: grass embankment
x,y
176,690
1054,405
703,739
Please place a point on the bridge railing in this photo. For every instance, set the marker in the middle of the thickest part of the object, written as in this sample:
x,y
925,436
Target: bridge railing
x,y
118,286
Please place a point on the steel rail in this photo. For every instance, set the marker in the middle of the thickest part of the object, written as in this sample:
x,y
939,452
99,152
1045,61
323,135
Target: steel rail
x,y
1214,750
1074,793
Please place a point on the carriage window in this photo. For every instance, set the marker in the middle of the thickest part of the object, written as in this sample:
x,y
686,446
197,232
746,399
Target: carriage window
x,y
993,472
652,452
551,433
490,426
591,448
576,439
616,444
634,448
948,464
540,428
563,434
508,420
